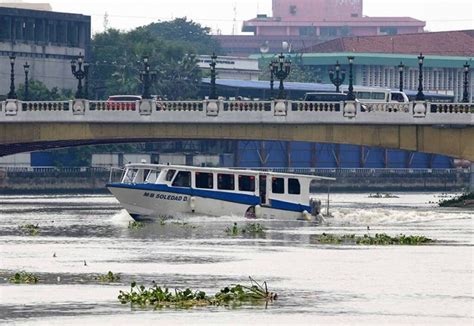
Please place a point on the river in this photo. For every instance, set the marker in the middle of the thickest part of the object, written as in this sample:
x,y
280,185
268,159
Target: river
x,y
83,236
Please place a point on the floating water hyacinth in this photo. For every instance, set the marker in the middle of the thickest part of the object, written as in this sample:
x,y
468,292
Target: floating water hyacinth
x,y
30,229
159,297
253,229
108,278
24,278
378,239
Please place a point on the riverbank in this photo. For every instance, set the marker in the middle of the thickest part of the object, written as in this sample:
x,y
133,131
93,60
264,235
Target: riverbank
x,y
84,180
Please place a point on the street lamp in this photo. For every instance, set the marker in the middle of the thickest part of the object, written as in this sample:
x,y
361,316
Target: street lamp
x,y
27,82
420,96
281,70
12,94
350,94
465,94
80,71
272,67
147,77
213,64
337,80
401,68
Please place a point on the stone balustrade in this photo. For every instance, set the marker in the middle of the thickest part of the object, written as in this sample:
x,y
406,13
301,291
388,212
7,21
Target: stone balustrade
x,y
277,111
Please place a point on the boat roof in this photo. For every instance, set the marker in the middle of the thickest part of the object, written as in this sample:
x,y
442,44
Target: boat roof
x,y
226,170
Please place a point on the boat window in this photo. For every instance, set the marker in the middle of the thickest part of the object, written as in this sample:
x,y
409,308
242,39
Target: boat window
x,y
130,176
225,182
246,183
182,179
294,187
152,176
204,180
278,185
170,175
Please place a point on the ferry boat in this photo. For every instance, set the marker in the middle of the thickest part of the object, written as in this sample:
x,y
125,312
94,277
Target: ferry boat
x,y
153,191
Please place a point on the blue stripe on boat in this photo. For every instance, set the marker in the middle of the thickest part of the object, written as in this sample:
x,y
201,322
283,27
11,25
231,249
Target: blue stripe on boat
x,y
244,199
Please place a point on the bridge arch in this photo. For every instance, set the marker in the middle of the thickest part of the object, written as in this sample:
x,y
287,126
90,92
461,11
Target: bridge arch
x,y
454,142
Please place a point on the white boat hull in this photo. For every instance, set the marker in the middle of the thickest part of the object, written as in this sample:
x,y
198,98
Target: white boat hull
x,y
147,204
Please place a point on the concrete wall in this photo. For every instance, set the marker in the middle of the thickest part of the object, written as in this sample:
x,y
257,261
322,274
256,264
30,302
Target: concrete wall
x,y
49,64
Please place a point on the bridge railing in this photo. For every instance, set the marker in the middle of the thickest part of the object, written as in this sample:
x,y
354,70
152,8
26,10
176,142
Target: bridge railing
x,y
222,111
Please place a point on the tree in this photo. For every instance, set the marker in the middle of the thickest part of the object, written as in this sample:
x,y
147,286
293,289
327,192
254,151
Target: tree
x,y
37,91
117,63
186,32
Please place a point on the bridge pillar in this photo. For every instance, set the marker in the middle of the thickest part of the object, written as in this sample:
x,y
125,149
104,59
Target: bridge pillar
x,y
472,177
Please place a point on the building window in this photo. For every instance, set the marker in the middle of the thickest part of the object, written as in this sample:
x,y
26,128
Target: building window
x,y
293,10
307,31
278,185
329,31
204,180
389,30
294,187
225,182
246,183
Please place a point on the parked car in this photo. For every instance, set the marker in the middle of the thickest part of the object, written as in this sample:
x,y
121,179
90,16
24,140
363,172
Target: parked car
x,y
123,102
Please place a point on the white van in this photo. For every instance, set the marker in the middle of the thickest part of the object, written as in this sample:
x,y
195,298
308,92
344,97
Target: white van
x,y
367,95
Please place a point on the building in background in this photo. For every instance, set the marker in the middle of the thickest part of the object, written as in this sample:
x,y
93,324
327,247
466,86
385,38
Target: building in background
x,y
232,67
47,40
301,23
378,57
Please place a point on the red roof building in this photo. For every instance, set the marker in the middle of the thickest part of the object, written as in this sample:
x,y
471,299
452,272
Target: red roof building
x,y
452,43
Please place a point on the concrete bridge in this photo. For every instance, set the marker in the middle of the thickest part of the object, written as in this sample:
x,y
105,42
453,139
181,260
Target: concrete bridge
x,y
437,128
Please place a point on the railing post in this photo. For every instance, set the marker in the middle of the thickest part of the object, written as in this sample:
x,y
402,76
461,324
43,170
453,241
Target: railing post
x,y
11,106
212,107
420,109
79,106
350,109
146,106
280,107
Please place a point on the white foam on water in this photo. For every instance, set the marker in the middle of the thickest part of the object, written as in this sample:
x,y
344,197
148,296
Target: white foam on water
x,y
121,218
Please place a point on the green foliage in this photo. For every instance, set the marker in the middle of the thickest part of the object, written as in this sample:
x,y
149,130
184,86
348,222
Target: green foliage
x,y
117,64
378,240
135,225
457,201
159,297
108,278
299,73
23,278
37,91
30,229
187,33
252,229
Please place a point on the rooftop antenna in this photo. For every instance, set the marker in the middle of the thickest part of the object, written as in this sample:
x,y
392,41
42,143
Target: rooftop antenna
x,y
234,27
106,21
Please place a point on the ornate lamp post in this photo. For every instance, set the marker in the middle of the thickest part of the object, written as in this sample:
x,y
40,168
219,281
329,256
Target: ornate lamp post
x,y
401,68
282,70
147,77
272,66
465,94
336,78
350,93
12,94
80,71
213,91
420,96
27,82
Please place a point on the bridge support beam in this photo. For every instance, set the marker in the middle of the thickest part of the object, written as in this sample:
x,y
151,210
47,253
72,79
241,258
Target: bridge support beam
x,y
472,177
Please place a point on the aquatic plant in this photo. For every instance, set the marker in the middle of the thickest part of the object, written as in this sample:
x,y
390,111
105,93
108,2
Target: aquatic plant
x,y
463,200
380,195
108,278
29,229
159,297
381,239
23,278
134,225
253,229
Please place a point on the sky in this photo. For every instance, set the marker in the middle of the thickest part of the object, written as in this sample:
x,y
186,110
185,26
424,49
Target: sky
x,y
219,14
